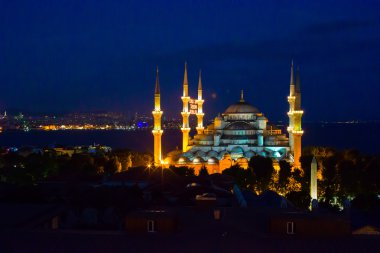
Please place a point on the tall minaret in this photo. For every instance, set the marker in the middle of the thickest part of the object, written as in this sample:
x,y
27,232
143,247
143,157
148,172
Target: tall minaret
x,y
157,114
291,100
185,112
295,118
200,102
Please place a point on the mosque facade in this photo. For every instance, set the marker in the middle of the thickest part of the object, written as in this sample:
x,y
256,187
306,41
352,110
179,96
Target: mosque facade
x,y
239,133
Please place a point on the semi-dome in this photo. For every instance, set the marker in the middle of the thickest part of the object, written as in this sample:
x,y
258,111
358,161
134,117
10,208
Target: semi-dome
x,y
212,153
241,107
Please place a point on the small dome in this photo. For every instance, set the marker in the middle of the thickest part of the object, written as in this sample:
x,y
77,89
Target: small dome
x,y
212,160
200,153
212,153
188,155
237,150
183,160
249,154
222,153
241,107
198,160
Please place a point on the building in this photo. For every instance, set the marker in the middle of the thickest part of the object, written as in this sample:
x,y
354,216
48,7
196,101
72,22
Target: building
x,y
239,133
305,224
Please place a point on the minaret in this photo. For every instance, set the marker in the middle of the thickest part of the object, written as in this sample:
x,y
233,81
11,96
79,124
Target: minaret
x,y
291,100
241,96
295,118
157,114
200,102
185,112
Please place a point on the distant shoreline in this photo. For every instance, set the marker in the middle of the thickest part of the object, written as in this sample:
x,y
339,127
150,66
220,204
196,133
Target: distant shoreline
x,y
360,136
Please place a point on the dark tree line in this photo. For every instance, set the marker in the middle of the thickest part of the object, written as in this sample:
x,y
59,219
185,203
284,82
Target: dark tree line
x,y
17,168
342,175
345,174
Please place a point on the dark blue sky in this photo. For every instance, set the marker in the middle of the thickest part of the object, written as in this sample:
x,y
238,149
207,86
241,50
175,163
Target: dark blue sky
x,y
65,56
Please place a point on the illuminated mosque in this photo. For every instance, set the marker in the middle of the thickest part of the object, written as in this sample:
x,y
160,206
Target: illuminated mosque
x,y
235,136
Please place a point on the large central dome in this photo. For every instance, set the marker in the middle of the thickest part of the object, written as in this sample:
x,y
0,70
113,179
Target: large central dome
x,y
241,107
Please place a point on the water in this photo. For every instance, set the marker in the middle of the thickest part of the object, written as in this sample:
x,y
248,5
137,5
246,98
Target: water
x,y
363,137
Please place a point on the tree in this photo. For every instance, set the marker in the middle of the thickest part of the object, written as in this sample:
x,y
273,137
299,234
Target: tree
x,y
306,169
366,201
112,166
183,171
241,176
329,185
371,176
284,173
262,169
350,178
300,199
203,171
124,156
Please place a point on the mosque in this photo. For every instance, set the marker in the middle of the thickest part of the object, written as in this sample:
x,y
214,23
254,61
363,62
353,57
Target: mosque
x,y
239,133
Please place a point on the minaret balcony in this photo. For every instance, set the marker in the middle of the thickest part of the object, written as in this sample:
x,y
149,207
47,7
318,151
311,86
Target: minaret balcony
x,y
185,98
185,129
157,112
185,113
157,131
200,114
298,112
299,132
291,98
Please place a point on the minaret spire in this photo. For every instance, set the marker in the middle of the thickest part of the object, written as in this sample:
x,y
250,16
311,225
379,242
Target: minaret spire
x,y
200,80
242,96
200,102
185,83
157,87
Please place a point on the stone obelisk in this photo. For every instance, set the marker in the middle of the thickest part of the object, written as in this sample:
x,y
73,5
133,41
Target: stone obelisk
x,y
313,183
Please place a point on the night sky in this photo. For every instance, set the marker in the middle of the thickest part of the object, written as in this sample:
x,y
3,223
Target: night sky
x,y
60,56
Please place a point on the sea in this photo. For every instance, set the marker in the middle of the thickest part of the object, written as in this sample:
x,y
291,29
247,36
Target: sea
x,y
363,137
